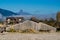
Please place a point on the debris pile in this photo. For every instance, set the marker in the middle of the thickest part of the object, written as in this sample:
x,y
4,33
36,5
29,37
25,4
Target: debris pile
x,y
33,26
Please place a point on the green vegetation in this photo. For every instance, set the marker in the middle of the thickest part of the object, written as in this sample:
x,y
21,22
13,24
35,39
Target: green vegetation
x,y
11,30
28,31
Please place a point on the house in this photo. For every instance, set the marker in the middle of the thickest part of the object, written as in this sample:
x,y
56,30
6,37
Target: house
x,y
14,20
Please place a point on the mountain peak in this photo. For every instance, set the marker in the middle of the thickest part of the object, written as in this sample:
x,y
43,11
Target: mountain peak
x,y
21,12
4,12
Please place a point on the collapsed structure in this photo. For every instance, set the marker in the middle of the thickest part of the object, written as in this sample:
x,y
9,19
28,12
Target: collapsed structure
x,y
32,25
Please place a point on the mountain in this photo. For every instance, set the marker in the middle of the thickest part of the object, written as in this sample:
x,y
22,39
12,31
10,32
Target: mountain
x,y
39,16
6,13
21,12
45,16
27,15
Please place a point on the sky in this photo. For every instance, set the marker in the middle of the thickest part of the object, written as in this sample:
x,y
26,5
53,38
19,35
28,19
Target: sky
x,y
32,6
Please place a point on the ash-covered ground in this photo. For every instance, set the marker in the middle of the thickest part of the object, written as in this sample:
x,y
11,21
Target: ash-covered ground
x,y
30,36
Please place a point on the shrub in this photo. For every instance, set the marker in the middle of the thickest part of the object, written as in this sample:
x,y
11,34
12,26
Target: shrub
x,y
12,30
28,31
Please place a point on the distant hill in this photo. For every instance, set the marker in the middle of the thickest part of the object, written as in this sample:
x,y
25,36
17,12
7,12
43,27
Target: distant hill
x,y
45,16
27,15
21,12
5,13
